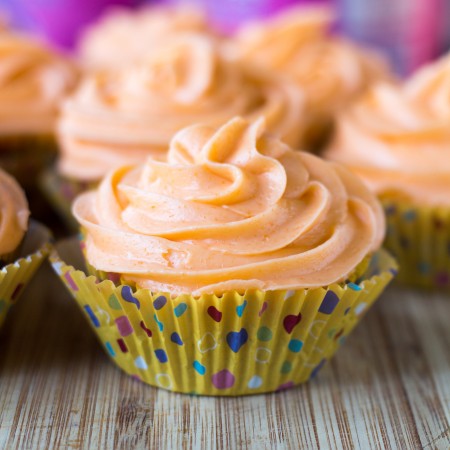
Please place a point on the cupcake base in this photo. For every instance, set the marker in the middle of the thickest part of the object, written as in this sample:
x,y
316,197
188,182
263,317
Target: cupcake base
x,y
419,237
15,276
24,157
222,345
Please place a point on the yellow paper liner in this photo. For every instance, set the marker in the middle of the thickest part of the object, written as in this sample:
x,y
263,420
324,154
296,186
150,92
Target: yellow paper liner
x,y
419,237
61,192
223,345
15,276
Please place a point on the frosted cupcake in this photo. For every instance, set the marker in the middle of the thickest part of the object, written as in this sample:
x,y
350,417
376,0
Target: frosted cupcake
x,y
397,138
123,117
123,36
237,266
33,80
22,245
331,70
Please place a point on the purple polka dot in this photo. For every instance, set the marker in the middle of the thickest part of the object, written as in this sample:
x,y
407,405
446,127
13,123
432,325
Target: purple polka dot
x,y
159,302
329,302
70,281
284,386
442,279
124,326
390,210
223,379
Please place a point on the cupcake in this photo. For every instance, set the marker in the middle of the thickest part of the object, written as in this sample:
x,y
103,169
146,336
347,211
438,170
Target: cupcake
x,y
33,80
122,117
122,36
331,70
23,246
236,266
397,138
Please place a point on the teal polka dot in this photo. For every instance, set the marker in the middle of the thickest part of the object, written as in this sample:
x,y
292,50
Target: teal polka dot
x,y
295,345
264,334
286,367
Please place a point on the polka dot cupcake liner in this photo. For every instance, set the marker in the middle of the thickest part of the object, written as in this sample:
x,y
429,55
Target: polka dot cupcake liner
x,y
61,192
419,238
15,276
231,344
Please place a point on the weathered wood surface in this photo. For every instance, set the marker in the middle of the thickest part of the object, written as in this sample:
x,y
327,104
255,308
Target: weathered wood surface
x,y
388,387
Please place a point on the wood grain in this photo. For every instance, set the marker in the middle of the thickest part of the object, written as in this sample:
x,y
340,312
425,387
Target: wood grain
x,y
388,388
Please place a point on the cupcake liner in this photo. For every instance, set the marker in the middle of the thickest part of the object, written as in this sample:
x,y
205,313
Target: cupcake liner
x,y
25,157
15,276
419,237
222,345
61,192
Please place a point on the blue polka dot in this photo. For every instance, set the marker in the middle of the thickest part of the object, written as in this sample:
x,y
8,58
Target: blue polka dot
x,y
92,316
295,345
175,337
161,355
317,368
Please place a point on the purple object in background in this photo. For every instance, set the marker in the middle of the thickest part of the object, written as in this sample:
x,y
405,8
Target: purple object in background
x,y
228,15
60,21
409,31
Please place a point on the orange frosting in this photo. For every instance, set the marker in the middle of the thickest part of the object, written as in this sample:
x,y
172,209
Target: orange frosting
x,y
13,214
124,36
33,81
121,117
398,137
232,209
331,70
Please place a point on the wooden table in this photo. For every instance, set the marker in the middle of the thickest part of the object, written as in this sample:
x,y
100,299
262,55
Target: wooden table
x,y
389,387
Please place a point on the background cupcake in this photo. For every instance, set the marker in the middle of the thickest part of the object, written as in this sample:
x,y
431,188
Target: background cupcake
x,y
33,81
397,138
234,256
331,70
123,36
123,117
22,246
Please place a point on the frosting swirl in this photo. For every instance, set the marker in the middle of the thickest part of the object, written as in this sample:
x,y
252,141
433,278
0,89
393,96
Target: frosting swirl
x,y
33,81
121,117
330,69
124,36
397,137
13,214
232,209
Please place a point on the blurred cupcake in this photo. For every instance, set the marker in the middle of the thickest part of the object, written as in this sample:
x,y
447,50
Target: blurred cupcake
x,y
397,138
33,80
331,70
22,245
123,36
238,266
122,117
